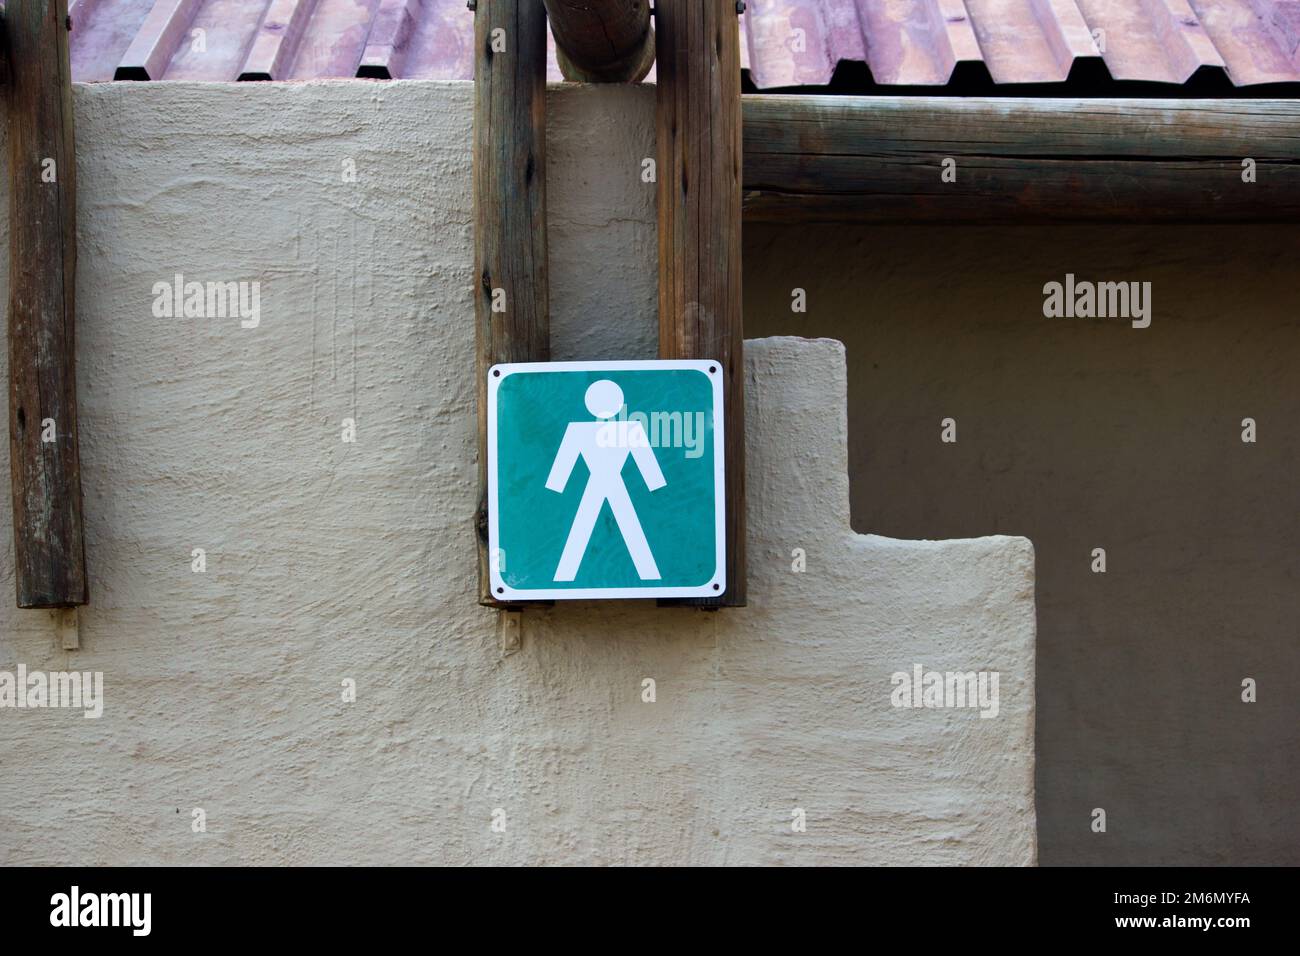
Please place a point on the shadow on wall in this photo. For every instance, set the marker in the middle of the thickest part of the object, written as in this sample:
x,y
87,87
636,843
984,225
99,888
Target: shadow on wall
x,y
1087,433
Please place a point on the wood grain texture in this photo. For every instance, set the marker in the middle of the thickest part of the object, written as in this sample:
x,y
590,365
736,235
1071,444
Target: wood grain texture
x,y
879,159
602,41
509,209
698,119
49,546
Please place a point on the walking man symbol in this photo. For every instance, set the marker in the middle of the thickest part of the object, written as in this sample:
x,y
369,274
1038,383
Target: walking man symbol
x,y
604,447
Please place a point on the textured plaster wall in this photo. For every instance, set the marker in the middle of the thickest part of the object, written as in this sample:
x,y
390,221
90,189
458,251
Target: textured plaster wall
x,y
328,560
1083,434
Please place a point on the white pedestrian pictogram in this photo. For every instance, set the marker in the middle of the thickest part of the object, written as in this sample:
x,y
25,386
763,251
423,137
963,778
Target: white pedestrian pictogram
x,y
604,447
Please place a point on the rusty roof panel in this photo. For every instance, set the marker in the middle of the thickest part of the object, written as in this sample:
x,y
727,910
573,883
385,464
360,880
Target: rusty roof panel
x,y
784,43
1030,41
333,39
227,31
1154,40
1258,39
275,42
922,42
102,30
389,40
798,42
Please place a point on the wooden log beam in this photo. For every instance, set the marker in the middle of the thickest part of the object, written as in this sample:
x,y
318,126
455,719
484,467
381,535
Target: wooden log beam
x,y
44,460
881,159
602,41
697,115
511,287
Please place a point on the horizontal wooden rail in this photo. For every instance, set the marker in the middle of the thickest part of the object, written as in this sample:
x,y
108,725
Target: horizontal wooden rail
x,y
883,159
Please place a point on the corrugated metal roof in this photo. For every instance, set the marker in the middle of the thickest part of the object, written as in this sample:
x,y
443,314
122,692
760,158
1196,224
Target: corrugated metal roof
x,y
784,42
922,42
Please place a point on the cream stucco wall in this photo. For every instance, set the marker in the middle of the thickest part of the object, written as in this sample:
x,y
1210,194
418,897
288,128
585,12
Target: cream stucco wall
x,y
328,561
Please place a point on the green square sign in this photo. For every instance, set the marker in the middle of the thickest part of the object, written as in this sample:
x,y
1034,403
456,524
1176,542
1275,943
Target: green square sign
x,y
605,480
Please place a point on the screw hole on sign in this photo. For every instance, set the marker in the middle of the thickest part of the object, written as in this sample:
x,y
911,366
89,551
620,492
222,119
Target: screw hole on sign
x,y
496,372
716,586
501,590
712,369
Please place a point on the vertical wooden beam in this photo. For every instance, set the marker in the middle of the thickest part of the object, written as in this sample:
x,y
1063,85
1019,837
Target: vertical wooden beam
x,y
511,297
44,461
602,41
699,160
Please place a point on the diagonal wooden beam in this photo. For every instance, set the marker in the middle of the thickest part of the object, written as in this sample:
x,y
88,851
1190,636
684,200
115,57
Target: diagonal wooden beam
x,y
698,117
44,458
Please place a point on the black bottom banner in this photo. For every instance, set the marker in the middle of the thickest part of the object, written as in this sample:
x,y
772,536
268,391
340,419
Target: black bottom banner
x,y
336,906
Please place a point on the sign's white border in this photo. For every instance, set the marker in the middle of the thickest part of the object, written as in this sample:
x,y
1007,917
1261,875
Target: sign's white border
x,y
715,587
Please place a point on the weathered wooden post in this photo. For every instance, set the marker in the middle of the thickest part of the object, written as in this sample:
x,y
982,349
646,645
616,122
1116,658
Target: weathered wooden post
x,y
699,163
602,41
44,463
511,297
